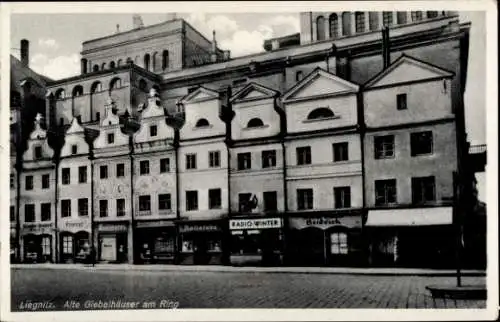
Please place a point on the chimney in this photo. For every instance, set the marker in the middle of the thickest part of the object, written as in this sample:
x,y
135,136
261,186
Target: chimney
x,y
227,55
25,52
137,21
213,54
386,50
117,28
275,44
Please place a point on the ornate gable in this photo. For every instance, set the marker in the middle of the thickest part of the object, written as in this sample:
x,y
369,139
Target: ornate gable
x,y
253,91
153,108
38,147
75,136
199,95
111,118
75,127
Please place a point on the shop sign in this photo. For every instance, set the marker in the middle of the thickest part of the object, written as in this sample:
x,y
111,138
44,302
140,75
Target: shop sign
x,y
38,228
154,223
186,228
75,226
325,222
112,228
259,223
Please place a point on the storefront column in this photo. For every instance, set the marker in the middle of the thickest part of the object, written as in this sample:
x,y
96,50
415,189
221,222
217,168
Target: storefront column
x,y
21,249
130,242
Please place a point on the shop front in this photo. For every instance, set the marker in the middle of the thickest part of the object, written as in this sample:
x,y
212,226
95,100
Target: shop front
x,y
74,240
201,243
256,241
37,242
112,242
13,243
155,242
414,237
333,239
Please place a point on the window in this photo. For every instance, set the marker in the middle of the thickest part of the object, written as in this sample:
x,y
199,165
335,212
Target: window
x,y
46,245
45,181
144,167
96,87
214,199
340,152
29,182
338,243
38,152
111,138
421,143
74,149
67,244
82,174
244,203
202,123
115,83
385,192
401,17
66,176
144,203
416,15
299,75
255,122
147,59
320,113
190,161
29,213
12,213
401,102
360,21
214,159
334,25
97,116
120,207
191,200
270,201
120,170
244,161
12,177
346,23
384,146
342,197
61,121
83,207
103,172
45,210
304,199
373,20
66,208
320,28
164,165
432,14
103,208
423,189
268,158
303,155
164,60
164,202
153,130
387,18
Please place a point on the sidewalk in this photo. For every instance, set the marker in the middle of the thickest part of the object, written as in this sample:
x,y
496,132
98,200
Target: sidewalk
x,y
232,269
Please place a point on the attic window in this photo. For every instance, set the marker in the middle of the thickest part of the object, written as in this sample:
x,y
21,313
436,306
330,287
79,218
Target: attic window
x,y
202,123
255,122
74,149
320,113
38,152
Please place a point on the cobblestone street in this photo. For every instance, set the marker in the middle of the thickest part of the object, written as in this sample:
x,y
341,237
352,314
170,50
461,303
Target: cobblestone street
x,y
231,289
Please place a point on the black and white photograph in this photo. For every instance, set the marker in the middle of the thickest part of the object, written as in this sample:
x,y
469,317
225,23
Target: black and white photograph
x,y
296,157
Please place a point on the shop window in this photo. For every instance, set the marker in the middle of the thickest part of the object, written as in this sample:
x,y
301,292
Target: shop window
x,y
360,21
12,180
144,167
385,192
120,207
214,159
153,130
214,199
305,199
270,201
423,189
45,211
191,161
303,155
46,246
103,208
244,161
144,203
373,20
38,152
83,207
340,152
387,18
67,245
401,17
191,200
12,213
111,138
246,242
164,165
342,197
334,25
268,159
66,208
421,143
45,181
29,182
66,176
120,170
346,24
401,102
164,201
320,28
187,244
320,113
29,213
338,243
384,146
103,171
255,122
82,174
416,15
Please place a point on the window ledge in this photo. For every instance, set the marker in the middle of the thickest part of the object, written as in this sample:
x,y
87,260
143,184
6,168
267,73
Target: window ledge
x,y
321,119
255,127
195,128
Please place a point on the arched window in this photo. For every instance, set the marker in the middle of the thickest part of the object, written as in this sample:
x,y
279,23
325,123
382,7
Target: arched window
x,y
164,60
95,68
416,15
143,86
103,66
333,22
320,28
401,17
155,58
320,113
157,88
202,123
96,87
77,90
112,64
147,61
387,18
256,122
60,94
373,20
119,63
129,60
115,83
360,21
432,14
346,24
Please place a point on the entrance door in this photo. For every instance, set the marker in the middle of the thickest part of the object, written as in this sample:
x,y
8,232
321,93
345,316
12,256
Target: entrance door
x,y
108,249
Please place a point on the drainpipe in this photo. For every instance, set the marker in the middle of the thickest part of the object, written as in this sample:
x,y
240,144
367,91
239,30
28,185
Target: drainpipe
x,y
177,197
386,51
362,130
285,188
91,237
132,216
56,229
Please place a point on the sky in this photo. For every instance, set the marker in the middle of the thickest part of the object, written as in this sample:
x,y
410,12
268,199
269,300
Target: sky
x,y
56,42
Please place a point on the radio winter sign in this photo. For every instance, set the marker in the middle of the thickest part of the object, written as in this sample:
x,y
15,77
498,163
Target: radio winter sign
x,y
260,223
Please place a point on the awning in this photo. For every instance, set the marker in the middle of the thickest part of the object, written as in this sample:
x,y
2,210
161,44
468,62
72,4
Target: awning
x,y
410,217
